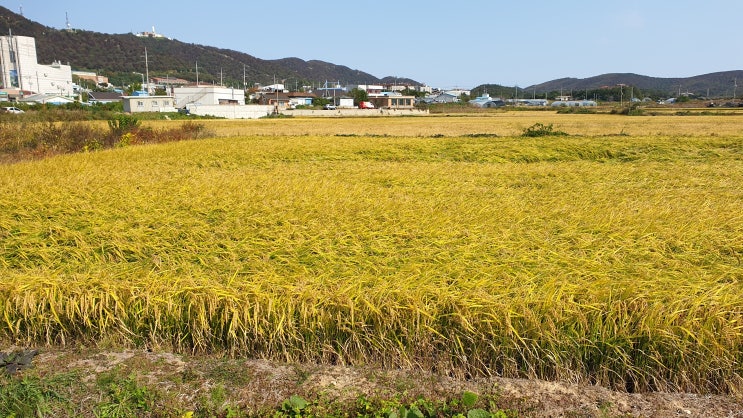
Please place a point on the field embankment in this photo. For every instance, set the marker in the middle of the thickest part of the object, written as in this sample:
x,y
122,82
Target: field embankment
x,y
610,256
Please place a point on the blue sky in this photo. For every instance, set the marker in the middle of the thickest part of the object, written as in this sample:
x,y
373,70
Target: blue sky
x,y
441,43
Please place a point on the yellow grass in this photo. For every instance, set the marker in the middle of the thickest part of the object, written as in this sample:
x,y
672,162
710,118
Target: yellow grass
x,y
503,124
607,258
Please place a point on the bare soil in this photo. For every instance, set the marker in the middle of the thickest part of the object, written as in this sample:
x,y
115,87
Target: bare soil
x,y
256,384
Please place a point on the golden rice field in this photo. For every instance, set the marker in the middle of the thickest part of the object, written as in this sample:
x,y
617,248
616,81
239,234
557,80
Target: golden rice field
x,y
610,256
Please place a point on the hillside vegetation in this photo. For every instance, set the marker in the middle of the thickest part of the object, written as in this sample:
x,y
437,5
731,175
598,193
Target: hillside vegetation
x,y
118,55
611,259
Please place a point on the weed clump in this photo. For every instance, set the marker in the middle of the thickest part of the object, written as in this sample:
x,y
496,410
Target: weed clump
x,y
576,110
631,110
26,141
540,129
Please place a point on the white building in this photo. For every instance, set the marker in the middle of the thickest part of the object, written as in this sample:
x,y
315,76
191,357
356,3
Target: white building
x,y
20,71
221,102
207,95
458,92
137,104
46,98
369,88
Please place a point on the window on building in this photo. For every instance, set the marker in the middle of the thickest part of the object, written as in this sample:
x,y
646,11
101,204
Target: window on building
x,y
154,102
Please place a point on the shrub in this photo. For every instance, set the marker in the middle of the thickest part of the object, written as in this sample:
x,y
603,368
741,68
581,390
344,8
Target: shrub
x,y
631,110
121,124
576,110
540,129
20,141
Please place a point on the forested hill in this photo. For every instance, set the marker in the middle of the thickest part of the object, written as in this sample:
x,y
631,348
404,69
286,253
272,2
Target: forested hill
x,y
719,84
119,55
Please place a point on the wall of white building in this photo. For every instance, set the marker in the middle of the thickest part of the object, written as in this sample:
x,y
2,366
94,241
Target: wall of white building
x,y
208,95
20,70
137,104
232,112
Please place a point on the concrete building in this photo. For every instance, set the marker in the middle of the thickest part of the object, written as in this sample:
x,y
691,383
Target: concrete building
x,y
168,83
391,100
92,77
297,98
458,92
442,98
138,104
103,97
232,112
20,71
574,103
345,102
207,95
482,101
46,98
369,88
225,102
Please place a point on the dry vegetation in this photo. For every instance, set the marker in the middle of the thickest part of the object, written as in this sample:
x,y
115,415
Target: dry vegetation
x,y
611,256
498,123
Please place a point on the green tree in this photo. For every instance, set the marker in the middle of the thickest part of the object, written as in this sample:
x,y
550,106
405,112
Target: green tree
x,y
359,96
320,101
132,88
411,92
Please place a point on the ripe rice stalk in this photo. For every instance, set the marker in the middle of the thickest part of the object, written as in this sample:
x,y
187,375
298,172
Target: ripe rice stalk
x,y
607,259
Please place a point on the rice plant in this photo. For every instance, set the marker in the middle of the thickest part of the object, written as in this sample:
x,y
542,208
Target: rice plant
x,y
603,258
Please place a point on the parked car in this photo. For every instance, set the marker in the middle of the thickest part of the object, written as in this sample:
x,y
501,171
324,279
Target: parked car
x,y
10,110
366,105
329,106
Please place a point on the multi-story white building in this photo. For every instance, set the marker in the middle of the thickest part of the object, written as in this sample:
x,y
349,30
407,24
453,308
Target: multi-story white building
x,y
20,70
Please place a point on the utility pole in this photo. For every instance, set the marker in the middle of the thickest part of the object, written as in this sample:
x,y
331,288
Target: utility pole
x,y
147,70
735,86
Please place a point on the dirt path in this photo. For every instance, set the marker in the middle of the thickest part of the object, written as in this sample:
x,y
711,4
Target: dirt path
x,y
257,384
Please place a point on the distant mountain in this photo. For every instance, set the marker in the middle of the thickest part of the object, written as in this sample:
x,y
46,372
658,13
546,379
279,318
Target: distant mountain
x,y
718,84
118,56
